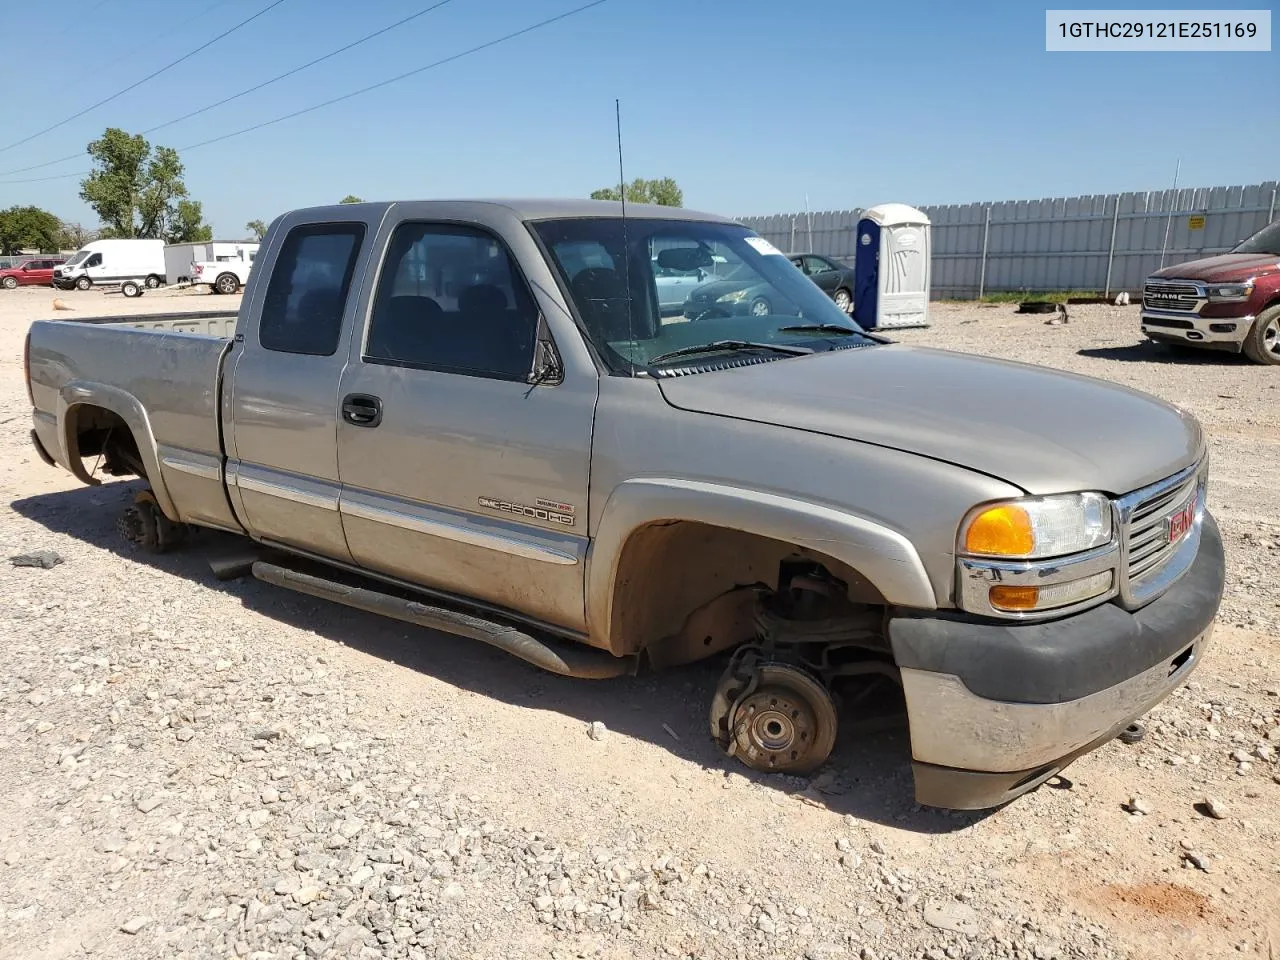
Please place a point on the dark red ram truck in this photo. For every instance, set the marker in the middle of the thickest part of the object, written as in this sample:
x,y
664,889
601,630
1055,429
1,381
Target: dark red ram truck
x,y
1229,302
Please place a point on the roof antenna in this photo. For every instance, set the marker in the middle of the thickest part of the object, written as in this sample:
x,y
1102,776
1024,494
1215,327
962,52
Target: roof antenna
x,y
626,245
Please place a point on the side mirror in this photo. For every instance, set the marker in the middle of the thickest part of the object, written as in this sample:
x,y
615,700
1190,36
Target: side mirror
x,y
546,364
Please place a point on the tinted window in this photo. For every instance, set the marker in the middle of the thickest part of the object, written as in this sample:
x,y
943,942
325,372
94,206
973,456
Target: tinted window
x,y
94,261
449,298
302,312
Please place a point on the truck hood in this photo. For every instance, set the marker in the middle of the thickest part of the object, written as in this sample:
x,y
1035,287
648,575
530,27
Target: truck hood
x,y
1224,268
1040,429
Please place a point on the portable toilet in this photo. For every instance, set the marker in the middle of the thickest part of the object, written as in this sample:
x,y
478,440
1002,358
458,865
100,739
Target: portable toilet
x,y
891,267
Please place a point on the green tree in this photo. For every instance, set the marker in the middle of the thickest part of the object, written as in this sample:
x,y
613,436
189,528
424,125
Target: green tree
x,y
29,227
139,192
351,198
257,228
187,224
665,192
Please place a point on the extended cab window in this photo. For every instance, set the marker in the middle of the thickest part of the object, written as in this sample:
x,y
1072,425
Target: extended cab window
x,y
449,298
302,311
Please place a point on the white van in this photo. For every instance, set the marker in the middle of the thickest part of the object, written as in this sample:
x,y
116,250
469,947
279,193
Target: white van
x,y
111,263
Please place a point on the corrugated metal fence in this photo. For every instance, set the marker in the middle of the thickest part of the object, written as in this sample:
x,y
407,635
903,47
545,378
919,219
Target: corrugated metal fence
x,y
1104,242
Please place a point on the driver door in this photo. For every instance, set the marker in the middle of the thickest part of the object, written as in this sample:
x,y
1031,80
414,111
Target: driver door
x,y
95,268
458,473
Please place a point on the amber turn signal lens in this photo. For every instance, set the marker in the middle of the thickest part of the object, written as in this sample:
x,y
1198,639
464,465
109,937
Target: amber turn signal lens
x,y
1003,531
1015,598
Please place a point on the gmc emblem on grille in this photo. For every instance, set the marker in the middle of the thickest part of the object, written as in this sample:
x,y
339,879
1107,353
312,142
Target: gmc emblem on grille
x,y
1177,525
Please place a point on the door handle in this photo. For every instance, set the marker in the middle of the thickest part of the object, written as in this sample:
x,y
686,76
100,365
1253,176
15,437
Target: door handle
x,y
362,410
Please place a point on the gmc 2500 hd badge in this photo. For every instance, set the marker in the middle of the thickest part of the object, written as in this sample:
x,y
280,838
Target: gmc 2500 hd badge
x,y
544,510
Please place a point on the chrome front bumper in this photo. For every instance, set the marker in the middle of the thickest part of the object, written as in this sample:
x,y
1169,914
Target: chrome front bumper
x,y
1193,329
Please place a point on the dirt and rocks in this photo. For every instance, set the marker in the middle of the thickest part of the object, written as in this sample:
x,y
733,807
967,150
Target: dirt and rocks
x,y
195,768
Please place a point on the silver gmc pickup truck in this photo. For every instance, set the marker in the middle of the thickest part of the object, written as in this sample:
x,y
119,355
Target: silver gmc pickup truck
x,y
475,416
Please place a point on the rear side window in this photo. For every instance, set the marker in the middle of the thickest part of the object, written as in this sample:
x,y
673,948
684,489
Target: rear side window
x,y
450,299
302,311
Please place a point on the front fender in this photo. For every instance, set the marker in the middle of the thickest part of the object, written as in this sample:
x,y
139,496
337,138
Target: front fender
x,y
80,393
883,555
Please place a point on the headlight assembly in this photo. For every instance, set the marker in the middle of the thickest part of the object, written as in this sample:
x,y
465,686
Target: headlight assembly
x,y
1230,291
1037,527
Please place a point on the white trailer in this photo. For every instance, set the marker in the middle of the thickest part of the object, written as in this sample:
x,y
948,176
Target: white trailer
x,y
178,257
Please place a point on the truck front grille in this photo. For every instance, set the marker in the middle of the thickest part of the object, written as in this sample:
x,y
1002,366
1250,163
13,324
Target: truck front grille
x,y
1177,295
1151,560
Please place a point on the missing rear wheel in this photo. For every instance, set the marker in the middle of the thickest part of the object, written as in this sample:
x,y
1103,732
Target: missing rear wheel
x,y
144,526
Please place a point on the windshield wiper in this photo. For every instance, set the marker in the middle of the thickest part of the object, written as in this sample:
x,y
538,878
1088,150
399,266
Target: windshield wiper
x,y
717,345
819,327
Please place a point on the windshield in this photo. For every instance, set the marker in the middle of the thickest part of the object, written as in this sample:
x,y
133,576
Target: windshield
x,y
1266,240
677,285
77,258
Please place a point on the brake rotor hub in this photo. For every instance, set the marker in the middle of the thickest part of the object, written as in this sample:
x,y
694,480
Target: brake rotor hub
x,y
784,722
772,722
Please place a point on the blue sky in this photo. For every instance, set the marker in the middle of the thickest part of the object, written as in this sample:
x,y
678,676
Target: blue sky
x,y
749,104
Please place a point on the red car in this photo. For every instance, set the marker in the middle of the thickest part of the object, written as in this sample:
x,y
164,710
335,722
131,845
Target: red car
x,y
1229,302
37,271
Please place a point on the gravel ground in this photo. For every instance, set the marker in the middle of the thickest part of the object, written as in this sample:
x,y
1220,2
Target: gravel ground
x,y
201,769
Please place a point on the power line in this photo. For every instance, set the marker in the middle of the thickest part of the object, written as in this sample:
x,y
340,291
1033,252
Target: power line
x,y
59,176
399,77
355,93
182,25
84,16
150,76
266,83
243,93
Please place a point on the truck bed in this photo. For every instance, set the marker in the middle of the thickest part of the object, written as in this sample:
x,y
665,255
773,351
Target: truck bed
x,y
160,375
209,323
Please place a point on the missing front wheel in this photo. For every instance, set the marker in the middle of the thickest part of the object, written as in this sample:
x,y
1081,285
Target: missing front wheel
x,y
774,717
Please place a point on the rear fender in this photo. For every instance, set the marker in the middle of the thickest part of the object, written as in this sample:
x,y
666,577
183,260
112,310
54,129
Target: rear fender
x,y
883,555
79,393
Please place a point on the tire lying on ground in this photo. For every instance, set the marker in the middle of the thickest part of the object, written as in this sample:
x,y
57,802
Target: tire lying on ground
x,y
1037,306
